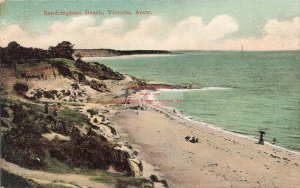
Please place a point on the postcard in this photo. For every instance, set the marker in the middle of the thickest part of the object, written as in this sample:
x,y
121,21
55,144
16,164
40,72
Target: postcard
x,y
150,93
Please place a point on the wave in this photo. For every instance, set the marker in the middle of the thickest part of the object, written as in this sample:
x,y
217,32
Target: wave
x,y
201,89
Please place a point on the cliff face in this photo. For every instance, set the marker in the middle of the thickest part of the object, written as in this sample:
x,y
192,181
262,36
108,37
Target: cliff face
x,y
98,71
111,52
96,52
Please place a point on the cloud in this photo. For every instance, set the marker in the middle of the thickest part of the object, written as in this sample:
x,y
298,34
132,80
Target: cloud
x,y
76,24
278,35
148,34
83,31
155,33
12,32
287,29
192,33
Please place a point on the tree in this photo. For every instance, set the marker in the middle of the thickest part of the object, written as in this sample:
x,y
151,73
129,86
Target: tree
x,y
62,50
1,56
13,45
13,53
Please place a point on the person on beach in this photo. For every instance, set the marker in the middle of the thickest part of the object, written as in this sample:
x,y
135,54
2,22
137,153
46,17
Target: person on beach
x,y
261,137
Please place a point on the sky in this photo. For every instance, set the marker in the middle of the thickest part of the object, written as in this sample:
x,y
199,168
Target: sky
x,y
256,25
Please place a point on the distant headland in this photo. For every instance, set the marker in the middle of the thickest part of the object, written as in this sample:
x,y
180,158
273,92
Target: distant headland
x,y
112,52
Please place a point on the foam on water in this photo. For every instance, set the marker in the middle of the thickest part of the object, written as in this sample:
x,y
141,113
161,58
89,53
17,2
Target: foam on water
x,y
202,89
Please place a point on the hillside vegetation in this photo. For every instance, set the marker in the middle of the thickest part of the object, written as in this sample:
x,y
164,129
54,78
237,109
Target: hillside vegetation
x,y
48,114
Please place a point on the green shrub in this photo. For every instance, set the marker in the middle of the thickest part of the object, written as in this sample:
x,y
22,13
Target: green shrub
x,y
21,88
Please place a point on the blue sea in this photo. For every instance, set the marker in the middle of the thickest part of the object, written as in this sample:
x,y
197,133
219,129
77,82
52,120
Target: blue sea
x,y
242,92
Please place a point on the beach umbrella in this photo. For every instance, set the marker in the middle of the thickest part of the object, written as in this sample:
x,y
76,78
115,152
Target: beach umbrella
x,y
262,132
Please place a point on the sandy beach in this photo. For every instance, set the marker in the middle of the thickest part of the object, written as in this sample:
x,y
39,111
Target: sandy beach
x,y
219,159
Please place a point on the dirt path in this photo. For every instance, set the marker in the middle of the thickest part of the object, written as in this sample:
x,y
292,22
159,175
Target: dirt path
x,y
68,180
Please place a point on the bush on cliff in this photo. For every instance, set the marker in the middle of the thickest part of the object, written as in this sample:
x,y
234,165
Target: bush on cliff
x,y
90,151
23,143
10,180
21,88
63,69
15,54
62,50
98,71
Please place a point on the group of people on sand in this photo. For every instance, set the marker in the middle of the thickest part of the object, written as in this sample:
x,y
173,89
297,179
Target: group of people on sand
x,y
55,107
192,139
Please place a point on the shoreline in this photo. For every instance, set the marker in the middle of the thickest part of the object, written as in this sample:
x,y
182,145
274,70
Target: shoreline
x,y
140,126
217,128
134,123
210,125
250,137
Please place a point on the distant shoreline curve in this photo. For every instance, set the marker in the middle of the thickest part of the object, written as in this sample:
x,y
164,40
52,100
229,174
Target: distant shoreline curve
x,y
112,52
